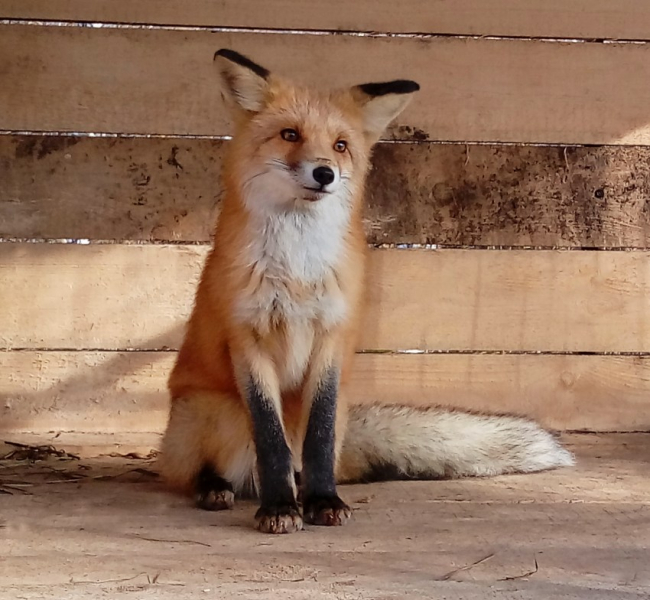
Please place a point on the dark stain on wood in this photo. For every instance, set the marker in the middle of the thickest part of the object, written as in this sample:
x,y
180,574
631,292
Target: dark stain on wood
x,y
406,132
41,146
455,194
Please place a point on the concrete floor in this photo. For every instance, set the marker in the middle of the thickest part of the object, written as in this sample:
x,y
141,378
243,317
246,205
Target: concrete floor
x,y
105,528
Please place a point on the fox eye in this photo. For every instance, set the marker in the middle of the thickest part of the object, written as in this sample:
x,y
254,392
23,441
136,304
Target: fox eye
x,y
341,146
290,135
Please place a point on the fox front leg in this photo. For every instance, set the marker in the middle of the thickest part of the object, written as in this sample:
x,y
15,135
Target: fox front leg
x,y
321,503
279,511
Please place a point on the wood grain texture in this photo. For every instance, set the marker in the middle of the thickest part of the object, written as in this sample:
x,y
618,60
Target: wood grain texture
x,y
121,296
113,392
510,195
623,19
105,297
109,188
93,522
84,391
508,300
128,80
169,190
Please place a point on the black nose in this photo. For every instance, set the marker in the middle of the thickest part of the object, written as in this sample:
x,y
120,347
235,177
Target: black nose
x,y
323,175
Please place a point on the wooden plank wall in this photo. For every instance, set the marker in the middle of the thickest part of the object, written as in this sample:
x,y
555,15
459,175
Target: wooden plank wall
x,y
523,167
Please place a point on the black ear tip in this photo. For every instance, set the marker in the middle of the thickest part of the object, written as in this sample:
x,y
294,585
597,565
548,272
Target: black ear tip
x,y
242,61
414,86
229,54
400,86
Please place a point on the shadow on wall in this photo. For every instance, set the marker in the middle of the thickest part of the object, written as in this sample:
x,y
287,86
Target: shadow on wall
x,y
87,332
84,391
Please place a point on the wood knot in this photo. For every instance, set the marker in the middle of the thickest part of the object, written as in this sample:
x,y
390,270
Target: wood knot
x,y
568,379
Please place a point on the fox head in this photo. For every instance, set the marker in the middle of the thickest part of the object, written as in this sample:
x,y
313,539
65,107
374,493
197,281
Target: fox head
x,y
296,147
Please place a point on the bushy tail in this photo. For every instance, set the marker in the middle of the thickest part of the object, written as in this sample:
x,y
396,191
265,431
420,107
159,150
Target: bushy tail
x,y
399,442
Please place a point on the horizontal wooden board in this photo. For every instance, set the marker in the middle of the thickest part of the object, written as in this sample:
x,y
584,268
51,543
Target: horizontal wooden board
x,y
109,188
128,80
105,297
84,391
508,300
117,392
623,19
169,190
510,195
132,296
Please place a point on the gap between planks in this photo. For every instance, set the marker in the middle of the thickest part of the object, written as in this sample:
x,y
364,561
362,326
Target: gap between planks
x,y
396,246
396,352
184,136
418,35
583,19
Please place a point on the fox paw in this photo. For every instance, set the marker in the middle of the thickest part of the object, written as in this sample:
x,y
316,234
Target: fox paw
x,y
326,510
213,492
280,518
215,500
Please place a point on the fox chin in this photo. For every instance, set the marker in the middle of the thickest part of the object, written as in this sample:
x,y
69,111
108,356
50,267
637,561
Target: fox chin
x,y
259,391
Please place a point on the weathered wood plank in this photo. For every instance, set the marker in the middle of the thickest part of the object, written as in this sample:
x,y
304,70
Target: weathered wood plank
x,y
109,188
510,195
169,190
127,80
624,19
117,297
116,392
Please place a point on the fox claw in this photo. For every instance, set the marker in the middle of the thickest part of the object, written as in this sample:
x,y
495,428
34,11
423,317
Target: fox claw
x,y
328,511
284,518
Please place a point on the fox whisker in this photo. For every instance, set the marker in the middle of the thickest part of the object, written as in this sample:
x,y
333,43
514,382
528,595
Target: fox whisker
x,y
248,181
276,162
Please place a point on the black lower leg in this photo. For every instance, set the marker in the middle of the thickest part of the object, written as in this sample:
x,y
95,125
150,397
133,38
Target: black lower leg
x,y
213,492
279,512
322,506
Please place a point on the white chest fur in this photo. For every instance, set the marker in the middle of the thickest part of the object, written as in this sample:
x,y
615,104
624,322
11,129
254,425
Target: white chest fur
x,y
293,256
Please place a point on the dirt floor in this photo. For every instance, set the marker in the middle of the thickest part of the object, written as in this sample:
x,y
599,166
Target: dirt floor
x,y
104,528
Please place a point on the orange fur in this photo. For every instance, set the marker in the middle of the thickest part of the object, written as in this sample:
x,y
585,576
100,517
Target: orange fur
x,y
232,328
276,315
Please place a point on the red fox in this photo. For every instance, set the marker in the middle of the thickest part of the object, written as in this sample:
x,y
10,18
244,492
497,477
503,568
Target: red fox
x,y
259,389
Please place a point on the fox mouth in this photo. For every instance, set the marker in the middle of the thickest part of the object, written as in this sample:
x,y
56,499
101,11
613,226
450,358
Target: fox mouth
x,y
314,194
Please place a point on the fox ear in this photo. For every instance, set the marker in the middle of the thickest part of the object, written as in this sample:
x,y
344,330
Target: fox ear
x,y
382,102
245,81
